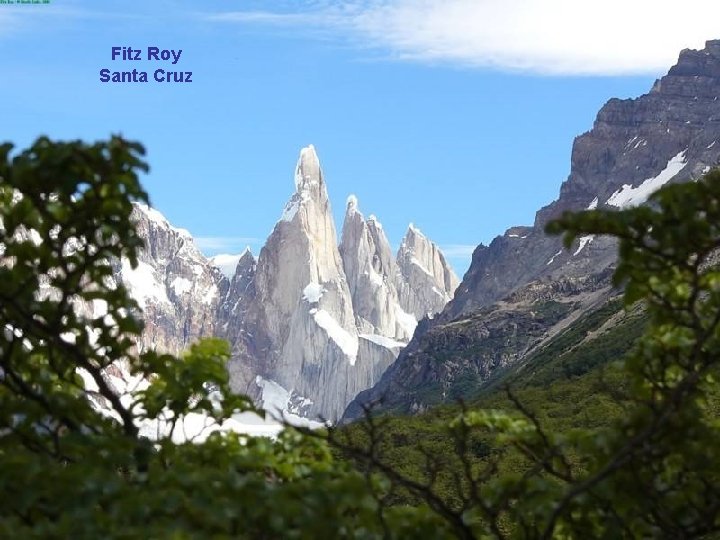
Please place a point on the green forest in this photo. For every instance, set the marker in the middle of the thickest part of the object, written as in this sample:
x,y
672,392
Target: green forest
x,y
609,430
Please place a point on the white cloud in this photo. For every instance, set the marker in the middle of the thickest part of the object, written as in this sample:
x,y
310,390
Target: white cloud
x,y
589,37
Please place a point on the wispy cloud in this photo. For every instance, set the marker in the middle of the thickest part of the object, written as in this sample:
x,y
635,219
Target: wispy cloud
x,y
265,17
589,37
458,251
215,244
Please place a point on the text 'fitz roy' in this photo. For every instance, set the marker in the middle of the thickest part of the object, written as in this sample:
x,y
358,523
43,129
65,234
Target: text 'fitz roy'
x,y
153,53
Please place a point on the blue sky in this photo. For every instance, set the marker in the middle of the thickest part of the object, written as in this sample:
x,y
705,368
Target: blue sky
x,y
457,115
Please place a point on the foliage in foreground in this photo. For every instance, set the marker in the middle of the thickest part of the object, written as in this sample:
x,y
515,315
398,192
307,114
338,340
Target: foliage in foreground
x,y
69,471
642,462
75,464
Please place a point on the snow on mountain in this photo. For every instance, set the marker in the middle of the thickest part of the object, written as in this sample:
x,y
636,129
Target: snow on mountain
x,y
424,280
326,320
628,195
309,320
173,283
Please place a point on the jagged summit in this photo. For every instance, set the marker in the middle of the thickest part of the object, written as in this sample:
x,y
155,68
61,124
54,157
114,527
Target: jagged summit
x,y
413,230
309,187
311,323
245,260
413,237
424,276
308,172
351,204
156,217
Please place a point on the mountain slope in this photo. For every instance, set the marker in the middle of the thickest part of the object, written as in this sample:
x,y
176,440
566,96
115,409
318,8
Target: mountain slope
x,y
178,290
634,147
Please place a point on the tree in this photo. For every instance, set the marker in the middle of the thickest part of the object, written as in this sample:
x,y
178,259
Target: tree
x,y
653,472
73,461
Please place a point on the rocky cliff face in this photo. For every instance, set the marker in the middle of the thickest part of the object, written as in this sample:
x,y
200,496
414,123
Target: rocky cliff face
x,y
178,290
423,277
325,320
372,277
671,134
634,147
311,323
302,318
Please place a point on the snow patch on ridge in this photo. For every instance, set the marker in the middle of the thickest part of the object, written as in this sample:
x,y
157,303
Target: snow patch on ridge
x,y
420,266
383,341
275,398
552,259
313,292
584,241
156,217
375,278
414,229
347,342
440,293
293,205
277,401
593,205
628,196
142,283
405,320
181,285
210,293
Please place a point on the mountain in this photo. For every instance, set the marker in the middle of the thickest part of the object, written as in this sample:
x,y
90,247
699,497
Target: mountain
x,y
175,285
423,276
311,322
524,288
324,321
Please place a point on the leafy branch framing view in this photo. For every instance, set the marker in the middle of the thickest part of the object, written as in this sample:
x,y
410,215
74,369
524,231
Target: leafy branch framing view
x,y
77,460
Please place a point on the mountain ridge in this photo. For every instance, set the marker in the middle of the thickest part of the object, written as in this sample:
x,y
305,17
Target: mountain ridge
x,y
299,336
635,146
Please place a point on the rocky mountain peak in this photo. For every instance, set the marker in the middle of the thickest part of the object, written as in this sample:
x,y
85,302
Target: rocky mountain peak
x,y
701,63
245,261
246,254
369,267
308,173
351,205
309,321
413,236
310,198
418,252
635,146
174,284
424,280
